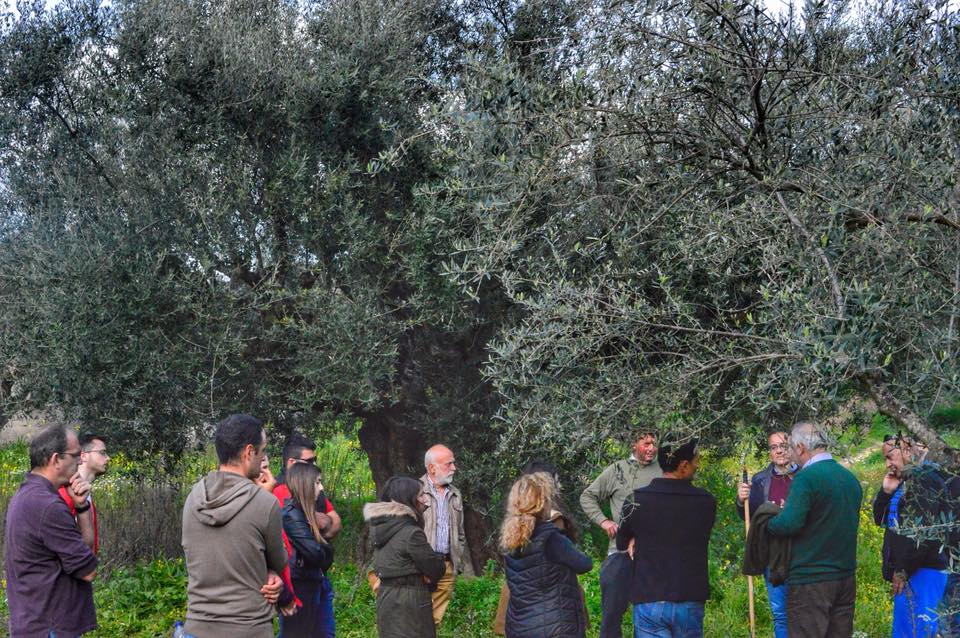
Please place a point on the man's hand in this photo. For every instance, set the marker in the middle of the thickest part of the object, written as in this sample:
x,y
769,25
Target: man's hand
x,y
743,492
290,609
78,489
890,483
899,582
609,527
323,523
271,591
630,547
266,481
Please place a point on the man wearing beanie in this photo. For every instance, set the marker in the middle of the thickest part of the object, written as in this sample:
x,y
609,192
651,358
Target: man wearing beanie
x,y
669,523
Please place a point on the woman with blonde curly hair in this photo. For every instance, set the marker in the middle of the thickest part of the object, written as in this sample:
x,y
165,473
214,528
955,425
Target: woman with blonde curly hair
x,y
542,566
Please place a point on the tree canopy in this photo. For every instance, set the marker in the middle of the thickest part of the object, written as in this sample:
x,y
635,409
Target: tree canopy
x,y
522,228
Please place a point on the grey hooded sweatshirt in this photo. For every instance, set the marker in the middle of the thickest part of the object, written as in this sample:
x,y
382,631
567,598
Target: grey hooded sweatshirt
x,y
231,537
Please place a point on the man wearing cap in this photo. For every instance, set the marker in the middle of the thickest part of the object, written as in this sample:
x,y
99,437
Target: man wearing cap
x,y
613,488
668,523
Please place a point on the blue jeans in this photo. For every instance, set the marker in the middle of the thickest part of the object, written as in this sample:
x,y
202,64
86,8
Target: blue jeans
x,y
777,595
665,619
315,619
915,608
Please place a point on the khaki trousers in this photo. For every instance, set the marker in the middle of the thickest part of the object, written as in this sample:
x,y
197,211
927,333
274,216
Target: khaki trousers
x,y
443,593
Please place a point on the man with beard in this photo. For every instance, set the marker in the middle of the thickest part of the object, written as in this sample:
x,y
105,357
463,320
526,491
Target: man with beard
x,y
911,493
443,523
232,541
93,464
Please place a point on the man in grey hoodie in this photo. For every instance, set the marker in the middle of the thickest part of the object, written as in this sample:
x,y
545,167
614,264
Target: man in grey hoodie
x,y
232,541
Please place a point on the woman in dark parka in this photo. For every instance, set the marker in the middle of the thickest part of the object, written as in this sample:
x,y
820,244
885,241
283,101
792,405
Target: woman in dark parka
x,y
542,566
403,560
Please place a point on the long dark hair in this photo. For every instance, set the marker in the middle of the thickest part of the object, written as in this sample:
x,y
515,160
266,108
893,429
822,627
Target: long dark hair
x,y
403,490
570,528
301,479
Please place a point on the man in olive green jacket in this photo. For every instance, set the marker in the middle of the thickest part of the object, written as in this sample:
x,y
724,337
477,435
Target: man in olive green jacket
x,y
614,487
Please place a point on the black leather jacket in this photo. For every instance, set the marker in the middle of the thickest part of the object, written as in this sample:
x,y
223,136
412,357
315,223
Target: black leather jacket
x,y
310,558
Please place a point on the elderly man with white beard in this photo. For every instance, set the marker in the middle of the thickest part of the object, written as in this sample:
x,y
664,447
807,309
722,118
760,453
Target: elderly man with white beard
x,y
443,523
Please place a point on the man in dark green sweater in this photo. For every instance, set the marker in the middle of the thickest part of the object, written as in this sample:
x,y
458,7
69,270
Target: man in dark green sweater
x,y
821,517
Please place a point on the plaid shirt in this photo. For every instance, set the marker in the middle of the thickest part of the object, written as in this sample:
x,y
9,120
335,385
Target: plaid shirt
x,y
442,545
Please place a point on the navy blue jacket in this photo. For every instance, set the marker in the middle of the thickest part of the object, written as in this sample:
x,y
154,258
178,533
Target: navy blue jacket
x,y
760,489
544,593
310,558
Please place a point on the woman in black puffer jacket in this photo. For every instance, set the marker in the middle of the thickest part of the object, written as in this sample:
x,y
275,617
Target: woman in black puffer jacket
x,y
542,566
311,556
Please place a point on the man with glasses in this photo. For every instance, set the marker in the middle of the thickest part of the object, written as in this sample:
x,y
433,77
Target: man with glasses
x,y
49,568
93,463
443,524
771,485
821,518
300,449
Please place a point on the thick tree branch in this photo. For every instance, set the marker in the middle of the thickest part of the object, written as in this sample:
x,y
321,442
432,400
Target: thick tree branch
x,y
889,405
831,273
938,218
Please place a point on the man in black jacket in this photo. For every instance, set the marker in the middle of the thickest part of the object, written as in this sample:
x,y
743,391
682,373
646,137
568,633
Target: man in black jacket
x,y
911,493
771,485
669,522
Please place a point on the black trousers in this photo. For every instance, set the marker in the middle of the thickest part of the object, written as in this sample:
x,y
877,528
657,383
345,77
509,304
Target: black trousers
x,y
615,574
822,610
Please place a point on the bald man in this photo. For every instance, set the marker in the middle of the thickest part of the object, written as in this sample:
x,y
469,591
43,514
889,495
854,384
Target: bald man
x,y
443,523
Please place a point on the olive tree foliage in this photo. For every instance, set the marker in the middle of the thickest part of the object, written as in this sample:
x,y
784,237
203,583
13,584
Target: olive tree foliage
x,y
710,218
195,221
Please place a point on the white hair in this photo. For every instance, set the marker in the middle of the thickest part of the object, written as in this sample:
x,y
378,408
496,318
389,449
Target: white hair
x,y
811,435
428,457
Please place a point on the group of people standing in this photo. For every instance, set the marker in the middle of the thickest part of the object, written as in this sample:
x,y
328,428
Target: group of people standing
x,y
256,545
805,509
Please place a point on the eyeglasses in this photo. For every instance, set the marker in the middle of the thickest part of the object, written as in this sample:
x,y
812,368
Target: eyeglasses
x,y
778,447
310,461
75,455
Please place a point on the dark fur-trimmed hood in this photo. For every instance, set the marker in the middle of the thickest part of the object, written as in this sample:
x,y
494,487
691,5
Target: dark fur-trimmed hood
x,y
387,519
390,508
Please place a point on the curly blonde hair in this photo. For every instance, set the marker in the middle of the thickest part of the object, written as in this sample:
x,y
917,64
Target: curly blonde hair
x,y
529,502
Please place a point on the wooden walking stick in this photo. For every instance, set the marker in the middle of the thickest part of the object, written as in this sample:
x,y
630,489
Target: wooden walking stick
x,y
746,523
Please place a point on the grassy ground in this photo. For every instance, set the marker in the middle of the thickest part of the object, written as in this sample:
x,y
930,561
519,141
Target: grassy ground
x,y
144,600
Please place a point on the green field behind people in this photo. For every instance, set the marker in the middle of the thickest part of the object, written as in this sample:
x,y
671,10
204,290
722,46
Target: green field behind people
x,y
142,588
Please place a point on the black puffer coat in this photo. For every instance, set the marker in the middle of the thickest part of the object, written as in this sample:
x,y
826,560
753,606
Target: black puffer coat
x,y
402,557
545,595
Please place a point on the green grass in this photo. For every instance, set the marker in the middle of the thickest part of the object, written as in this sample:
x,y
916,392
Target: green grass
x,y
145,599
